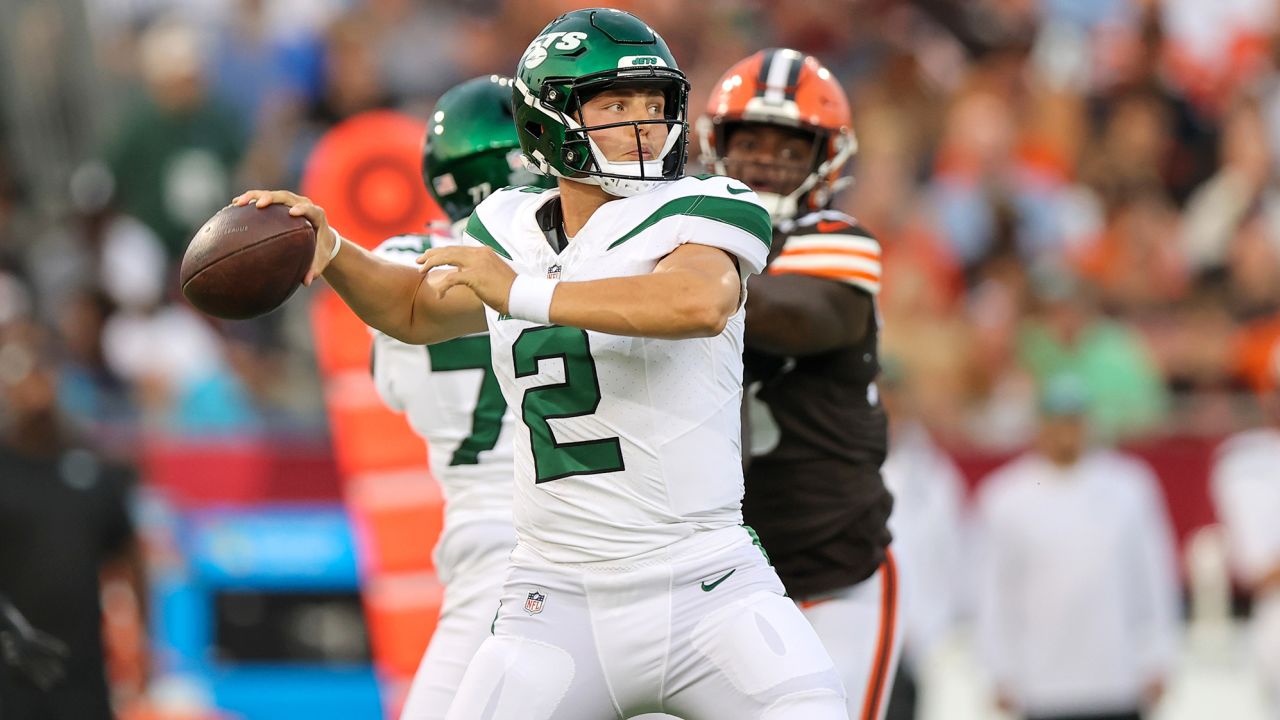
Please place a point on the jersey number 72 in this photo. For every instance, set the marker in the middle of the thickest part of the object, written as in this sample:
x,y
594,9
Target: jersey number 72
x,y
472,353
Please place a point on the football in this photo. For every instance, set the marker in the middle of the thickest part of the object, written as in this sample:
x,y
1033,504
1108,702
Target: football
x,y
247,261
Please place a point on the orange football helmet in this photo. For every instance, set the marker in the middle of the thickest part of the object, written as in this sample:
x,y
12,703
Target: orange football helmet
x,y
790,89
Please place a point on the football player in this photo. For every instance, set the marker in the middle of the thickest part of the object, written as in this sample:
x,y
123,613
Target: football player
x,y
780,122
614,306
450,395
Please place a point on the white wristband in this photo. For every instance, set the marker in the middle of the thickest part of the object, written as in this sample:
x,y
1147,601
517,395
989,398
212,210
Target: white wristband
x,y
530,298
337,245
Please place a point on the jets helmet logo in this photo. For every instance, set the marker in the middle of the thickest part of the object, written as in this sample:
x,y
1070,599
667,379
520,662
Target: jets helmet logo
x,y
538,49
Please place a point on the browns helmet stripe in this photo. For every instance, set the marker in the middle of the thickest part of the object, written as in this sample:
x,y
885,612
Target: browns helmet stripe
x,y
779,74
794,66
762,80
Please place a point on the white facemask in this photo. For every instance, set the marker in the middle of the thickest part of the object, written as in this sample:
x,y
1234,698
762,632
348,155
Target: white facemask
x,y
627,187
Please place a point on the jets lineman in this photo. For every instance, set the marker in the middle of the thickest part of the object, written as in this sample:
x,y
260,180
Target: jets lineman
x,y
614,306
450,395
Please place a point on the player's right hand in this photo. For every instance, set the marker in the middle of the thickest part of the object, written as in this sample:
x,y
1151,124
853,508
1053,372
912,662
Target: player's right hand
x,y
299,206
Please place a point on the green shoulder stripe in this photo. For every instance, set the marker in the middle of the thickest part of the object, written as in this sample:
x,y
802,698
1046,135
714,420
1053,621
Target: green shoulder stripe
x,y
739,213
407,243
477,230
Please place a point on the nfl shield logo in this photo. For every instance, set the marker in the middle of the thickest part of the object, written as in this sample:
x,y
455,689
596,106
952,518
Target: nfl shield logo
x,y
553,272
533,603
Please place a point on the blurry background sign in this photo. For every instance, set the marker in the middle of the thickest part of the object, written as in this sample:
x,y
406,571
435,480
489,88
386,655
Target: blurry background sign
x,y
268,613
367,174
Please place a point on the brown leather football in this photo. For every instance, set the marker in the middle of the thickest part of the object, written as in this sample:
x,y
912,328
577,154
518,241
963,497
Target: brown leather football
x,y
247,261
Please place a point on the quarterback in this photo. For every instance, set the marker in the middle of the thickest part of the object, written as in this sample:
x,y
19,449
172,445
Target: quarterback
x,y
450,395
614,306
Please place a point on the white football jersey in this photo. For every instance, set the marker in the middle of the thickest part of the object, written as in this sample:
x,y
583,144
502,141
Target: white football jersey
x,y
450,396
628,444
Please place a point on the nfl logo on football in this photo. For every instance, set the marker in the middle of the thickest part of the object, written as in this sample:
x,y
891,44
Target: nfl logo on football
x,y
533,603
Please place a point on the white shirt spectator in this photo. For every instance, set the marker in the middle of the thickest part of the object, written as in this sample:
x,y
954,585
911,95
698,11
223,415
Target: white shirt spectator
x,y
1246,490
1077,602
928,498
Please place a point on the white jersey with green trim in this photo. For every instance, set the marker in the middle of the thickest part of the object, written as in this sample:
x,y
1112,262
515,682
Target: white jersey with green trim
x,y
450,396
628,444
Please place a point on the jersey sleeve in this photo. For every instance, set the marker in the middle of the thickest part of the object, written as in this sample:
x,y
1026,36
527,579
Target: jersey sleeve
x,y
832,249
725,214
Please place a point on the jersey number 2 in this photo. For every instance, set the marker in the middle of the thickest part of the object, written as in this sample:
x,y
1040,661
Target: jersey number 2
x,y
578,395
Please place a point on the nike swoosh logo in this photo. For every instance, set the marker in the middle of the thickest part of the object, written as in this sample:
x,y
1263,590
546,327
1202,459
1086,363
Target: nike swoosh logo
x,y
708,587
737,190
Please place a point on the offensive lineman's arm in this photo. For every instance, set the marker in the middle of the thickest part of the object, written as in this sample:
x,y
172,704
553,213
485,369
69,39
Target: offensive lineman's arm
x,y
387,296
691,293
798,315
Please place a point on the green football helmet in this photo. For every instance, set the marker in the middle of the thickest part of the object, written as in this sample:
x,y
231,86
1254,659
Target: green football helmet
x,y
471,148
579,55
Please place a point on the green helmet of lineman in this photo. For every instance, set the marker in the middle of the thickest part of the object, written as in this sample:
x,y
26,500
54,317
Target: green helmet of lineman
x,y
471,147
581,54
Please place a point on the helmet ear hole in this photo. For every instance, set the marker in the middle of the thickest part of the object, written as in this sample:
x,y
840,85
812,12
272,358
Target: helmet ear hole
x,y
534,129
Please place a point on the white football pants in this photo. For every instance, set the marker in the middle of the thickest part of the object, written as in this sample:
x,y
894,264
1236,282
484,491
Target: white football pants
x,y
700,630
472,563
861,627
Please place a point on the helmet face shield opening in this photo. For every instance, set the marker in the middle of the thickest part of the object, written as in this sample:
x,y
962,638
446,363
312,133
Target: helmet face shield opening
x,y
581,152
769,157
560,143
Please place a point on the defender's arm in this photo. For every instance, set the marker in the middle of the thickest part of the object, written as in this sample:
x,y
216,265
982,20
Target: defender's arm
x,y
797,315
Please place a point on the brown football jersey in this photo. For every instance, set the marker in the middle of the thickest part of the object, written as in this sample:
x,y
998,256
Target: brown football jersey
x,y
818,433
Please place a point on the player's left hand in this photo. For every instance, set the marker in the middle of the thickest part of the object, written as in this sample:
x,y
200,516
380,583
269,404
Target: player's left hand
x,y
477,268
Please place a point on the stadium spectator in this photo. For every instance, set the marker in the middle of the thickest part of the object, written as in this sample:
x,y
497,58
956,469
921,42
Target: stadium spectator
x,y
63,521
174,155
1077,602
1069,336
1247,496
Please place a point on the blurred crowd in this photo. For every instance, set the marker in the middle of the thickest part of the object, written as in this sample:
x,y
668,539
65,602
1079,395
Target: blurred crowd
x,y
1082,186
